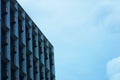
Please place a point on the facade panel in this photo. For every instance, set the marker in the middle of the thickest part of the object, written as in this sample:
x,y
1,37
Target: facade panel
x,y
25,53
0,40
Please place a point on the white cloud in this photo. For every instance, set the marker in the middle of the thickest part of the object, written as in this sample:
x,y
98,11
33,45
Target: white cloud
x,y
115,77
113,69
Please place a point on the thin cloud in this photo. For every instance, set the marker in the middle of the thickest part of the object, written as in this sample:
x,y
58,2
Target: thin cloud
x,y
113,69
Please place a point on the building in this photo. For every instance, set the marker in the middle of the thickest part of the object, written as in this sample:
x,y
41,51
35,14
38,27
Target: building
x,y
25,53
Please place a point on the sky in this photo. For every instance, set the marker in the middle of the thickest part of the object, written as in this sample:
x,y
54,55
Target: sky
x,y
113,69
85,34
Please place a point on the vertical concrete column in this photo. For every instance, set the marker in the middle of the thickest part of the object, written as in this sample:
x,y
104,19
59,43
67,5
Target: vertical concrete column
x,y
43,73
52,64
30,47
7,47
35,45
48,75
23,29
16,33
53,69
47,67
43,57
48,60
0,41
36,55
23,39
41,49
47,56
37,71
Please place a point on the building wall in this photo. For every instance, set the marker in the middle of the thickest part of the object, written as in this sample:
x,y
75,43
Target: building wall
x,y
25,53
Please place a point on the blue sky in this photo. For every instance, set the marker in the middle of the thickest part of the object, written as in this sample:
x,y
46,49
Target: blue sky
x,y
113,69
85,34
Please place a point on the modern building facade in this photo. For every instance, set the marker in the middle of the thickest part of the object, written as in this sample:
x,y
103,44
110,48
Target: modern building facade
x,y
25,53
